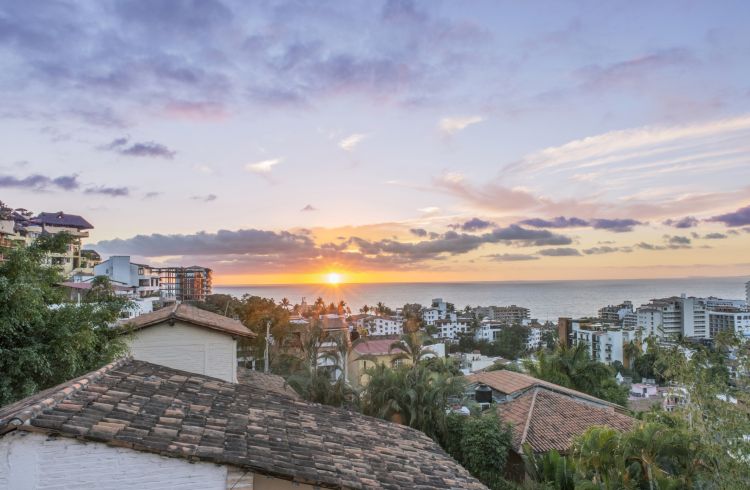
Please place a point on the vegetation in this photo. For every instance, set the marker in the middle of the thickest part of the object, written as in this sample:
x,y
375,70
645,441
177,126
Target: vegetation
x,y
573,367
511,343
45,339
481,444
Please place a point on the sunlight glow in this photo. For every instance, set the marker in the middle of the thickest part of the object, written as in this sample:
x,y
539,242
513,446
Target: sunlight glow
x,y
333,278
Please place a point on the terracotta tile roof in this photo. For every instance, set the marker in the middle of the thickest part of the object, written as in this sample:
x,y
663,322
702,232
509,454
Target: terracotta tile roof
x,y
510,382
268,382
194,316
375,347
174,413
549,420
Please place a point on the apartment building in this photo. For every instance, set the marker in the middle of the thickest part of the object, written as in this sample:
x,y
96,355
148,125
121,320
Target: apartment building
x,y
747,294
381,326
452,328
509,315
723,319
184,283
685,315
141,278
622,314
488,330
22,228
605,342
438,311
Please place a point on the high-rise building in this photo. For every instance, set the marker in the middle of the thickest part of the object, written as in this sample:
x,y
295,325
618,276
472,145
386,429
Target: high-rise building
x,y
184,283
687,316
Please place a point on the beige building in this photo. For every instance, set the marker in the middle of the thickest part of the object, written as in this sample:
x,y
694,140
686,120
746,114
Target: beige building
x,y
188,338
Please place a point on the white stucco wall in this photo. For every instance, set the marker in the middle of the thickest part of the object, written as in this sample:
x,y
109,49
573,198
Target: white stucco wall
x,y
32,461
189,348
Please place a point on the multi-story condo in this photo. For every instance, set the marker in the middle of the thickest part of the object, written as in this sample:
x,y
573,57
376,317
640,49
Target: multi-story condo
x,y
722,319
509,315
605,342
622,314
438,311
747,294
684,315
26,229
488,330
141,278
381,326
452,328
184,283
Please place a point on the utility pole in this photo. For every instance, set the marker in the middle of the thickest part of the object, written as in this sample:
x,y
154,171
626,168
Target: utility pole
x,y
268,334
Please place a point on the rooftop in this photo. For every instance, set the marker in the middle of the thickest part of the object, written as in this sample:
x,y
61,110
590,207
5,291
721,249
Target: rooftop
x,y
375,347
151,408
549,420
62,219
194,316
511,382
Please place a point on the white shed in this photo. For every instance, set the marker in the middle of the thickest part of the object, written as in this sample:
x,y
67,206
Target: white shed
x,y
190,339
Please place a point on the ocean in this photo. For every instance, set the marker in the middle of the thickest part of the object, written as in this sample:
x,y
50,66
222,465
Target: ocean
x,y
547,300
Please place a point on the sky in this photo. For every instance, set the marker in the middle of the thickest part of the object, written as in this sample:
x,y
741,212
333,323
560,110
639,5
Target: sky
x,y
395,140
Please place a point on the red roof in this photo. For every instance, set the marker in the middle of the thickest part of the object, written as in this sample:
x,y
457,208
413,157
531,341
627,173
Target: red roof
x,y
376,347
194,316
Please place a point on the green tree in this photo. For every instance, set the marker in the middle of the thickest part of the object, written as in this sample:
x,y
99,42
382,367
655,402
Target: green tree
x,y
511,341
44,339
573,368
410,347
481,444
412,395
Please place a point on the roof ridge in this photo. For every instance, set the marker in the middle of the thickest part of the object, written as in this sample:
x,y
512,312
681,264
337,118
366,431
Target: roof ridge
x,y
528,416
25,413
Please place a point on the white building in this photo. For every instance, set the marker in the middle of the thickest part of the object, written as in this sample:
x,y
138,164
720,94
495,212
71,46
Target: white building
x,y
684,315
729,319
451,329
488,330
534,340
188,338
438,311
140,277
605,343
381,326
747,294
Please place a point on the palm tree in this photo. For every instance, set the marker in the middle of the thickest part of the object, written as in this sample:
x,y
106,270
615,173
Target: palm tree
x,y
319,304
631,351
381,308
342,307
364,309
411,347
285,303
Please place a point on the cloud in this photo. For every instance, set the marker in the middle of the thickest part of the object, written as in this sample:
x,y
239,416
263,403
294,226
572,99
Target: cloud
x,y
475,224
309,207
40,182
649,246
262,167
151,195
615,225
634,70
109,191
452,125
559,252
558,222
420,232
429,210
686,222
206,198
144,149
715,236
618,225
605,249
489,196
741,217
510,257
350,142
677,240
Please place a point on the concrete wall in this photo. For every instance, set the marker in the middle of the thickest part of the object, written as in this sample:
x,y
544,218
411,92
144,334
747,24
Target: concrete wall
x,y
30,461
189,348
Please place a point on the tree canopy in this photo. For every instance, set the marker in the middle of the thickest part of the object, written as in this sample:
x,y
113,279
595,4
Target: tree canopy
x,y
45,339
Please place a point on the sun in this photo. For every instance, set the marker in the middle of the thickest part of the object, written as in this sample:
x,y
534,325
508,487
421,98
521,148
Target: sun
x,y
333,278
